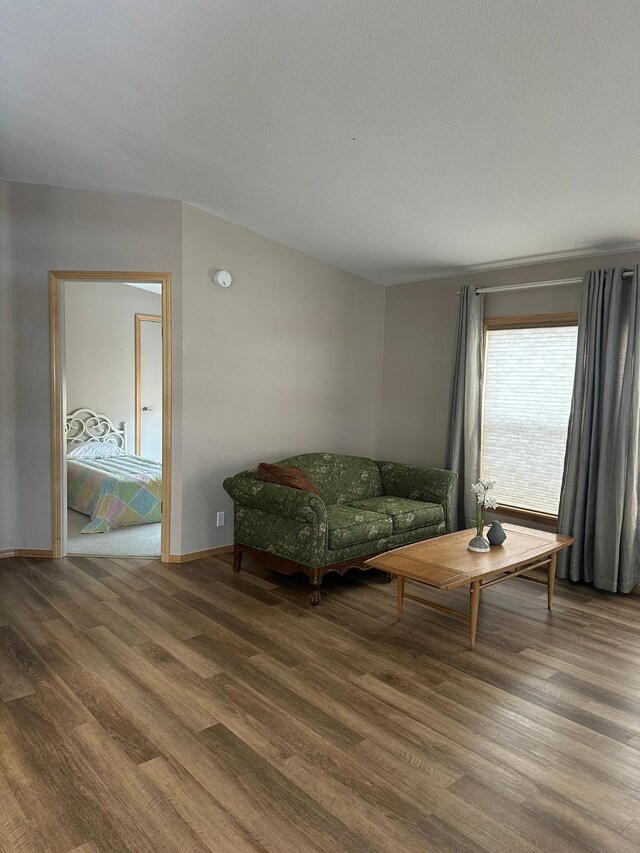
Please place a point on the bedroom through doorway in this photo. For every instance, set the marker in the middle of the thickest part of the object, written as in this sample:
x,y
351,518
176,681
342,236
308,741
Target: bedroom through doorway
x,y
111,392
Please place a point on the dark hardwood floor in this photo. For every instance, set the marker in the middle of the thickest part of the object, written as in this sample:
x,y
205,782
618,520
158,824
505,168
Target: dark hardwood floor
x,y
147,707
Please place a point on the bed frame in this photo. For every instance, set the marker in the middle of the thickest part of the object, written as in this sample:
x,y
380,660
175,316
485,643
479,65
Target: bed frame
x,y
86,425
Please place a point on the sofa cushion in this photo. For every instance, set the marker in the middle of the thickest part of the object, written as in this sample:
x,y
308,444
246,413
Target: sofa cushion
x,y
281,475
405,514
341,479
349,526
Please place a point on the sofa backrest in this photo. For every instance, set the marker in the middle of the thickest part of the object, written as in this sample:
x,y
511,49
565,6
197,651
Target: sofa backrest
x,y
340,478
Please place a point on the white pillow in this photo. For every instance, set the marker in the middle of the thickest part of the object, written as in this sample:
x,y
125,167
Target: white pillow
x,y
95,450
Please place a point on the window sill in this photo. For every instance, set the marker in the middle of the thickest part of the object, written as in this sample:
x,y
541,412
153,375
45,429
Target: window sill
x,y
527,515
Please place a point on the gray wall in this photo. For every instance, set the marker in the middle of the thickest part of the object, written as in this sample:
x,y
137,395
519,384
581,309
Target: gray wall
x,y
65,229
420,336
8,514
100,347
287,360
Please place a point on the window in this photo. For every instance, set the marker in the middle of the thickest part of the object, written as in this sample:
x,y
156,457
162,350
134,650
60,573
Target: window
x,y
528,382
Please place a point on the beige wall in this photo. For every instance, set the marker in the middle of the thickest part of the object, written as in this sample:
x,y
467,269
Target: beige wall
x,y
100,347
8,514
63,229
287,360
419,341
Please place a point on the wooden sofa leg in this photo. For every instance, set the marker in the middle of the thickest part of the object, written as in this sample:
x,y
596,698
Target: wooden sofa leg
x,y
388,577
237,558
315,579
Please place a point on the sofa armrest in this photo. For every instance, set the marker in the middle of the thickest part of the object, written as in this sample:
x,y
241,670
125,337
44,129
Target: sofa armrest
x,y
418,483
277,500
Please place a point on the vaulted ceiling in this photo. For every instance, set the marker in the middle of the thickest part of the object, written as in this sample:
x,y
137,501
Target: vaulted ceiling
x,y
398,140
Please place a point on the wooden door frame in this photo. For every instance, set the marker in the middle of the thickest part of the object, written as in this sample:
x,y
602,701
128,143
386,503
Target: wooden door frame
x,y
139,320
56,279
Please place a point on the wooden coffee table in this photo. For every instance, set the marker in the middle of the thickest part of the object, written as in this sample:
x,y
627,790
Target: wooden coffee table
x,y
444,562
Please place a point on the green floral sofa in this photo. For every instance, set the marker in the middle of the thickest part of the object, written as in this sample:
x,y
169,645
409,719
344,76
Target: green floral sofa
x,y
366,508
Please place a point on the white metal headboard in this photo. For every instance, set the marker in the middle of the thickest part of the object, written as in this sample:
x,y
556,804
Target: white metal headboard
x,y
86,425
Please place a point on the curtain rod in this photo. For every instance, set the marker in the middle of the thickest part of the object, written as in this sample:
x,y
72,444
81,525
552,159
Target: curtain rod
x,y
531,284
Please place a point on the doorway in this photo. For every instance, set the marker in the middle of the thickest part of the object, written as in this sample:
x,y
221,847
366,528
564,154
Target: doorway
x,y
111,459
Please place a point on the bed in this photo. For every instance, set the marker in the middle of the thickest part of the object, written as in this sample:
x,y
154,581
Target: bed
x,y
105,482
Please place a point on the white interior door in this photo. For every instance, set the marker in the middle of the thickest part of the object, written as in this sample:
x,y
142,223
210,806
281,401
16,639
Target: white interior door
x,y
150,397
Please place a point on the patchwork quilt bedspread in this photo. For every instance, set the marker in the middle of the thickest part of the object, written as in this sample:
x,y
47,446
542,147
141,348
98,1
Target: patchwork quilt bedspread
x,y
115,491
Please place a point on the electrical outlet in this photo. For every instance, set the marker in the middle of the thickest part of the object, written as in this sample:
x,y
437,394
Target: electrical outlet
x,y
221,518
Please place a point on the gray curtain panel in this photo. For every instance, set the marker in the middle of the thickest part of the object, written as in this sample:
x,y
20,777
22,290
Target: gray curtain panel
x,y
600,490
463,444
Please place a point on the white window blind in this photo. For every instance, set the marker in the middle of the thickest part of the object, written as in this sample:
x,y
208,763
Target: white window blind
x,y
528,383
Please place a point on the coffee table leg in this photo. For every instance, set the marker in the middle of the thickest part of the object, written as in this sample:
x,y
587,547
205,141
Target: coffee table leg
x,y
474,602
400,590
551,579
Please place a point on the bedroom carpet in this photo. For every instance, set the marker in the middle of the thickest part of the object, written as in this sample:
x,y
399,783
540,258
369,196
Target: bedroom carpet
x,y
138,540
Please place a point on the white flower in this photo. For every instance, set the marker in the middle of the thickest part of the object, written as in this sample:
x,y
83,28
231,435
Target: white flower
x,y
480,490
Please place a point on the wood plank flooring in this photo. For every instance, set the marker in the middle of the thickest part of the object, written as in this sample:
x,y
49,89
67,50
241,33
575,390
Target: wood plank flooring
x,y
146,707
